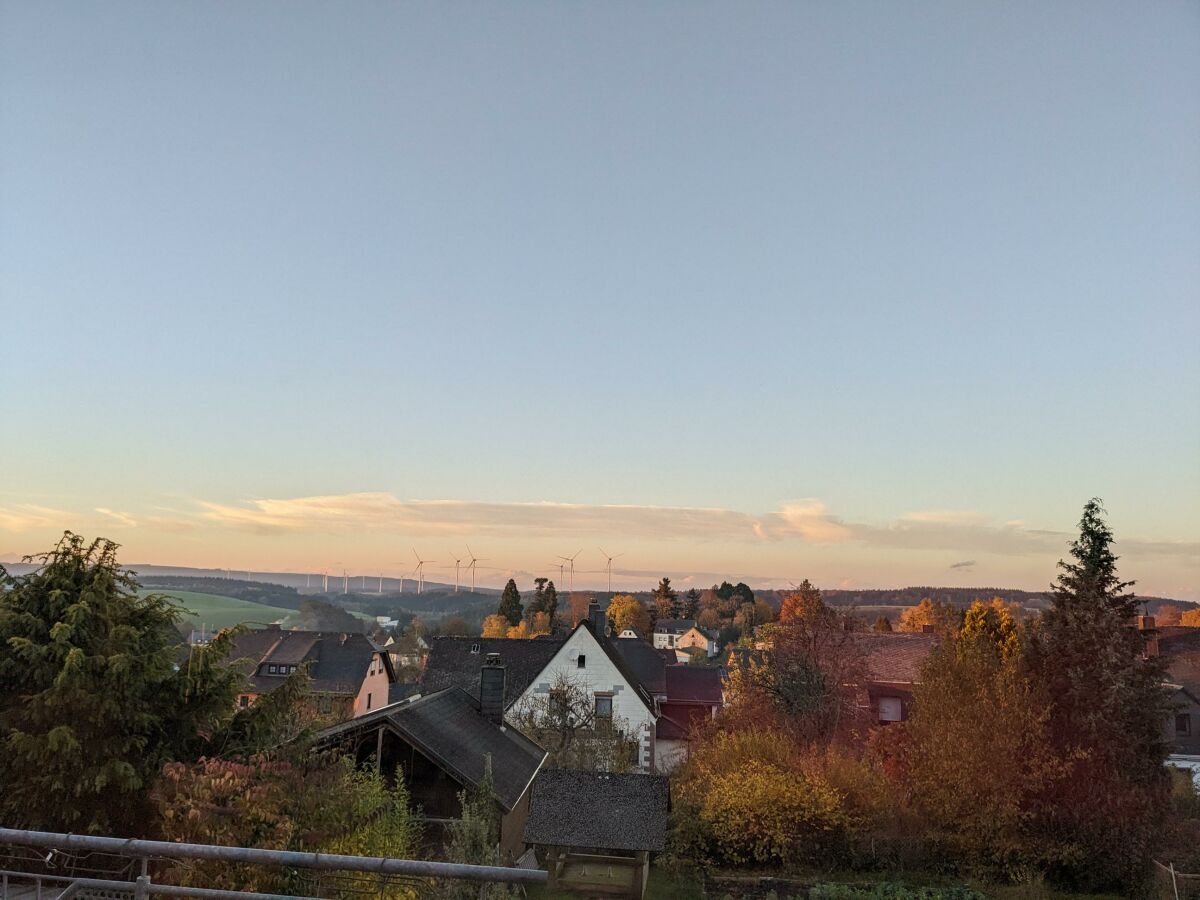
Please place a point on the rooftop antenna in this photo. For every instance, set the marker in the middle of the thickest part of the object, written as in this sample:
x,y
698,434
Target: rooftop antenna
x,y
471,565
570,560
457,564
608,565
420,570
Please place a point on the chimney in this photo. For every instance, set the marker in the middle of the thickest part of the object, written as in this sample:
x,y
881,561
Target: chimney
x,y
1145,625
491,689
599,619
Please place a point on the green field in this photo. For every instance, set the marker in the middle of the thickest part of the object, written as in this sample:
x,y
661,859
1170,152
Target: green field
x,y
215,611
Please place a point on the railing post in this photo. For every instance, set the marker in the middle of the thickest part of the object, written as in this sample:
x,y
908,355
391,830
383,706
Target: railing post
x,y
140,889
1174,883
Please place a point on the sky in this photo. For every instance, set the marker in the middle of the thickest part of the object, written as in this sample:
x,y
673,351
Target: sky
x,y
872,294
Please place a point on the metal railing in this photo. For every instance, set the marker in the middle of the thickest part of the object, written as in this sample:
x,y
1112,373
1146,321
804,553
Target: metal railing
x,y
139,853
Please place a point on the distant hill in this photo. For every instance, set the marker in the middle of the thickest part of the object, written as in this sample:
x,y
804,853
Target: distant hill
x,y
213,612
911,596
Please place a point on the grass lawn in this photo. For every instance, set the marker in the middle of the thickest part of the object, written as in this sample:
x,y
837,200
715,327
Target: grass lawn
x,y
661,886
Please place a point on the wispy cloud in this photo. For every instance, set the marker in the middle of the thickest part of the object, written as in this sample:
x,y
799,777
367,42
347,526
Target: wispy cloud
x,y
123,518
27,516
965,564
805,520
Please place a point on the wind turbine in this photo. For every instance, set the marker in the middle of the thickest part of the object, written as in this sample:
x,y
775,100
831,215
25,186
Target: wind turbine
x,y
457,565
561,566
420,570
471,565
571,561
608,565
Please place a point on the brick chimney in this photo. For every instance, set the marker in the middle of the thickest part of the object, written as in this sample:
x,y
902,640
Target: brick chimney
x,y
491,689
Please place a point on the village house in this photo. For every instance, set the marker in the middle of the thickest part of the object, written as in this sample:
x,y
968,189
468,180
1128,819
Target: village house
x,y
625,676
441,743
891,668
349,674
586,657
594,831
684,634
1180,649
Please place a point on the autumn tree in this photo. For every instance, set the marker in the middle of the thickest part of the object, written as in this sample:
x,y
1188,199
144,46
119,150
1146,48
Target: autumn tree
x,y
978,713
495,626
664,598
563,720
883,625
510,603
942,617
454,626
1107,709
801,603
1191,618
627,611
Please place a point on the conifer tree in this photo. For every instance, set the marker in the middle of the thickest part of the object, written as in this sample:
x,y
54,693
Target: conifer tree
x,y
93,700
690,606
663,598
1108,708
510,603
550,602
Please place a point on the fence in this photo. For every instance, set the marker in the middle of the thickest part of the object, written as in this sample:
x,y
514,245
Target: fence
x,y
1172,885
37,865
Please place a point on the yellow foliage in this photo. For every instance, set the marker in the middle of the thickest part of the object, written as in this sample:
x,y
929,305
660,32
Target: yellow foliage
x,y
495,627
626,611
1191,618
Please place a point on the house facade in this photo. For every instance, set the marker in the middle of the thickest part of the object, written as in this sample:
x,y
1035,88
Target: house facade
x,y
349,674
683,634
1180,648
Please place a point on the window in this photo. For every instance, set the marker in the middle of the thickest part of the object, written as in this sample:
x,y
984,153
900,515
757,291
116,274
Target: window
x,y
474,648
581,661
890,709
368,701
273,670
1183,724
603,706
243,701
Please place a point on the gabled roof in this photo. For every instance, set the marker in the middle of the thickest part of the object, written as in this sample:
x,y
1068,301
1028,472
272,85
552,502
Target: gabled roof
x,y
456,661
674,626
644,662
448,728
598,809
337,662
693,684
894,658
607,645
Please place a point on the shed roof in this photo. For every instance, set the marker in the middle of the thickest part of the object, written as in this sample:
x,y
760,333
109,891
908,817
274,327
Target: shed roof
x,y
448,728
604,810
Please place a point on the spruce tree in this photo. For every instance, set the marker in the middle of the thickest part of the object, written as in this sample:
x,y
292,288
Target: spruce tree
x,y
1108,710
663,598
94,698
510,604
691,604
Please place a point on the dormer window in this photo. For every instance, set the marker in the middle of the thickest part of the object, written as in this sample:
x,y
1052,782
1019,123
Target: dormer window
x,y
474,648
273,669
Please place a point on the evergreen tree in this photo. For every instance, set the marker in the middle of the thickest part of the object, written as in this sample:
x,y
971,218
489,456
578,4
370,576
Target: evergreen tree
x,y
1107,712
550,602
663,598
690,607
537,603
93,701
510,603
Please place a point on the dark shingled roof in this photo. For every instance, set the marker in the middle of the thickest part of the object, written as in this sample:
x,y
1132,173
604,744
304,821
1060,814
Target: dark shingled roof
x,y
643,661
1180,647
401,691
456,661
674,626
338,662
448,728
693,684
598,809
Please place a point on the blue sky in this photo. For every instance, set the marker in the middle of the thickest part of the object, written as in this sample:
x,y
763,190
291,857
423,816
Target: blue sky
x,y
921,278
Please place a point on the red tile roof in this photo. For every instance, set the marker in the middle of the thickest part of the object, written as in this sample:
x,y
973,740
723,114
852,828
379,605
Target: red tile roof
x,y
895,658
